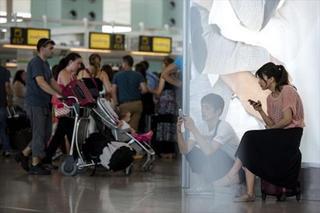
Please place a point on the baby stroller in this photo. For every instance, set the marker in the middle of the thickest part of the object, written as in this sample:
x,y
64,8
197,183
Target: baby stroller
x,y
119,154
112,155
75,162
104,112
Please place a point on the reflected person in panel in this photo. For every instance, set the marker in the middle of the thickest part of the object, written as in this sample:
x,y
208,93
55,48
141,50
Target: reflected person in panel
x,y
211,148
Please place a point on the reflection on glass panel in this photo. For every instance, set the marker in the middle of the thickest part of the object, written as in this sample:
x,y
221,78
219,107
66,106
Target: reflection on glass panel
x,y
229,41
22,8
118,11
3,6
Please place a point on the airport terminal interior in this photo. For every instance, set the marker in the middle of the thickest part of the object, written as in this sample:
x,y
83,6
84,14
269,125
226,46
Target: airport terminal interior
x,y
159,106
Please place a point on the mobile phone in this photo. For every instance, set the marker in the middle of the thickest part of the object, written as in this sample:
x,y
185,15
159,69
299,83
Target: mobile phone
x,y
180,113
252,102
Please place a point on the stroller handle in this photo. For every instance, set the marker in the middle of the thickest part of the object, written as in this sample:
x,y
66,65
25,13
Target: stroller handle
x,y
75,106
65,98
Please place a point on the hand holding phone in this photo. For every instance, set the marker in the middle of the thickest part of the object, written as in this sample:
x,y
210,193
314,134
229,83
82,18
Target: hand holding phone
x,y
181,115
181,123
254,103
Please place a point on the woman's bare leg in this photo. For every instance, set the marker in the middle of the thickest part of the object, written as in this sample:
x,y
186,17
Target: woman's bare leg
x,y
250,195
250,177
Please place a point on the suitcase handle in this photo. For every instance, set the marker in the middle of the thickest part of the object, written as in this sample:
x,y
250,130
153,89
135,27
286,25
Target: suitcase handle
x,y
9,112
12,112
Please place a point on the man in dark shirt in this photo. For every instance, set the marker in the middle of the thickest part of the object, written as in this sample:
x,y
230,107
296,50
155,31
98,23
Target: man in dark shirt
x,y
127,86
40,86
5,95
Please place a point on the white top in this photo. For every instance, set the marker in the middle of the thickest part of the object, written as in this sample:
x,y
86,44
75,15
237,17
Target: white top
x,y
225,135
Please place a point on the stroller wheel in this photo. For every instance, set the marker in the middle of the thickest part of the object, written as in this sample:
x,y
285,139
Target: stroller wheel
x,y
147,168
69,166
281,197
263,196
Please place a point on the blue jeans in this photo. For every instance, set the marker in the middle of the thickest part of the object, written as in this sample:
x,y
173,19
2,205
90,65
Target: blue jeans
x,y
4,139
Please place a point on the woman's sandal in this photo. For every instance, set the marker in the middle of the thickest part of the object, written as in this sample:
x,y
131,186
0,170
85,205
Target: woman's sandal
x,y
245,198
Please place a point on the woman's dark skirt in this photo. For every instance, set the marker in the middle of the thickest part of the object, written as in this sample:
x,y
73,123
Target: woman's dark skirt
x,y
272,154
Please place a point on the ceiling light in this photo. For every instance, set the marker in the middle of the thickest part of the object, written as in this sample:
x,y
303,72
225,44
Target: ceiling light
x,y
19,46
115,29
148,53
89,50
3,20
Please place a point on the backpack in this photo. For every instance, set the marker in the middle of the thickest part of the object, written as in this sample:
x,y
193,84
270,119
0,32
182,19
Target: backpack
x,y
112,155
94,145
116,156
78,89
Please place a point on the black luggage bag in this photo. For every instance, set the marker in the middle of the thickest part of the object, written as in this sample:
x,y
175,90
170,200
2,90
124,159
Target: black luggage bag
x,y
281,193
18,128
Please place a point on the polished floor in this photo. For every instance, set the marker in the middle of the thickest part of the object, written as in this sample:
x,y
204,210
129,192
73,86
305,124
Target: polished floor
x,y
143,192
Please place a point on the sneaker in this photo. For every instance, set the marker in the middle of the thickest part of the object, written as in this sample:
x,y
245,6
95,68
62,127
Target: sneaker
x,y
23,161
50,166
145,137
39,170
6,154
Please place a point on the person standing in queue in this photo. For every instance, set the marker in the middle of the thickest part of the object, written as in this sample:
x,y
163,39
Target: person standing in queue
x,y
40,86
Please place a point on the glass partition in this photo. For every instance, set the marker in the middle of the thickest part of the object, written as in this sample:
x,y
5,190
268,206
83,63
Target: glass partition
x,y
226,42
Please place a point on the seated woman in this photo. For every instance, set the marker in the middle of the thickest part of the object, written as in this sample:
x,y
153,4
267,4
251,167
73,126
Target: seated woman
x,y
19,88
272,154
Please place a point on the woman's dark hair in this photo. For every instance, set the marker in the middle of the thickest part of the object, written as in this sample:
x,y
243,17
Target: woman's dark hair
x,y
108,69
278,72
141,69
55,71
18,77
81,67
63,63
168,60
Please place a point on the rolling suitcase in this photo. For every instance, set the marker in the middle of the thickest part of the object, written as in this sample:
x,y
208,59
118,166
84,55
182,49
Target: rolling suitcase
x,y
19,129
281,193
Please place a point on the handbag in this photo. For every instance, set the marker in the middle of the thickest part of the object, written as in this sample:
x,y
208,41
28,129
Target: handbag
x,y
91,84
60,110
78,89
